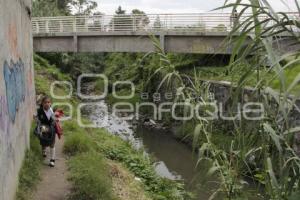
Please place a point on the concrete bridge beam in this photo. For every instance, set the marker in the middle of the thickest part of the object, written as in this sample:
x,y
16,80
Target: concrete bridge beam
x,y
176,42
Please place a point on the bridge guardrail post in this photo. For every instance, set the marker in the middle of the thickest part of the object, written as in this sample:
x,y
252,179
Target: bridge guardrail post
x,y
74,25
102,23
86,18
134,23
37,27
166,23
47,25
61,27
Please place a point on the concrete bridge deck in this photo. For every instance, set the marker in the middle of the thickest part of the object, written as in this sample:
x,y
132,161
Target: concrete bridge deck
x,y
202,33
180,42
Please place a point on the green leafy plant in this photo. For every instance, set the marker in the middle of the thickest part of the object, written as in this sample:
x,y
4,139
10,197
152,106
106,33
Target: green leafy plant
x,y
264,154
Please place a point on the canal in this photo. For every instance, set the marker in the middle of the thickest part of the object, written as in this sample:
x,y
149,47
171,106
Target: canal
x,y
172,158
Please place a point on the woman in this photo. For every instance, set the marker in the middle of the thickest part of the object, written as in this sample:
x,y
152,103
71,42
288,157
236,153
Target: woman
x,y
46,128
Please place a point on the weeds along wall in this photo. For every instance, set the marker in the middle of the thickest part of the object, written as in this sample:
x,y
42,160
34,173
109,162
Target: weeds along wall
x,y
17,93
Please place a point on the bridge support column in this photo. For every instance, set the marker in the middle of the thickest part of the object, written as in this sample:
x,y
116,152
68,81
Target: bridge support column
x,y
75,43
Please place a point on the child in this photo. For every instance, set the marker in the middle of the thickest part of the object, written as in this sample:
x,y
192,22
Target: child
x,y
46,124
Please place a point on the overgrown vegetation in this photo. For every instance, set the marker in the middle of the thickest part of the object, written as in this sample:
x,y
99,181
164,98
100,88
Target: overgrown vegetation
x,y
159,188
264,154
42,8
82,141
90,177
89,172
259,152
29,174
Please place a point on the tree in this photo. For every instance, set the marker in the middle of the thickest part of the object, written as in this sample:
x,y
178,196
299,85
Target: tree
x,y
64,5
140,19
97,18
157,23
119,11
220,28
46,8
121,21
84,7
98,13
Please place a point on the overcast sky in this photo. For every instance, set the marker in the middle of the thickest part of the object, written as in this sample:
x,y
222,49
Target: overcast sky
x,y
176,6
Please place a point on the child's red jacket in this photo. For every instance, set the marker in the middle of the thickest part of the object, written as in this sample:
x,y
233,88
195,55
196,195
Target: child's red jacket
x,y
58,127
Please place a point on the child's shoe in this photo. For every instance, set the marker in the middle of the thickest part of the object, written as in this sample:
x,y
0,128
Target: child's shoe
x,y
52,163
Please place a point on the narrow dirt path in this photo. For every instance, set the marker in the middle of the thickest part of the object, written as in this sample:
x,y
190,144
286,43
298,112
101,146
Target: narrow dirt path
x,y
54,184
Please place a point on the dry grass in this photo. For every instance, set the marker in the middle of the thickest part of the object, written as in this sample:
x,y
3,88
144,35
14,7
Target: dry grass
x,y
124,184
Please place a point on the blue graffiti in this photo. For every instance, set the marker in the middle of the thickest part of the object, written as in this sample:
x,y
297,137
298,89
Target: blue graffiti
x,y
14,77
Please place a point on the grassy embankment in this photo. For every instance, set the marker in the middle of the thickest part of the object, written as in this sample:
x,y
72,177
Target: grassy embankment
x,y
29,174
221,74
101,166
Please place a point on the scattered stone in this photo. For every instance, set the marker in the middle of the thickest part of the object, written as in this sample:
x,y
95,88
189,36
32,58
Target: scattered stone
x,y
137,179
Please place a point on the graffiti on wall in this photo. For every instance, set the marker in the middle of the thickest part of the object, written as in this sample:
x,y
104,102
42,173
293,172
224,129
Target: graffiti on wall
x,y
14,77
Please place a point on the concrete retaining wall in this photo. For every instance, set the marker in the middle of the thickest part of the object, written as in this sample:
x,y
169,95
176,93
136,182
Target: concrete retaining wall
x,y
223,91
17,94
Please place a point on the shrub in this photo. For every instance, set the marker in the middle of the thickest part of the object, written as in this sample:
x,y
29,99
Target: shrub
x,y
29,174
77,143
90,178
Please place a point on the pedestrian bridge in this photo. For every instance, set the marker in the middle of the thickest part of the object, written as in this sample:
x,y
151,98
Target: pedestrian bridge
x,y
179,33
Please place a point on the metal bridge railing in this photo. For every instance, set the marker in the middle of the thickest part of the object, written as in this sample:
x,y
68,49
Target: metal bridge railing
x,y
194,22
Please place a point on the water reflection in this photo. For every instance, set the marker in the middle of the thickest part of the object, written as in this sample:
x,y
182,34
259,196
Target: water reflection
x,y
176,161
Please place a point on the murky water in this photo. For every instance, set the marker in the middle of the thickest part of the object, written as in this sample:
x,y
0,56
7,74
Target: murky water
x,y
176,161
173,159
